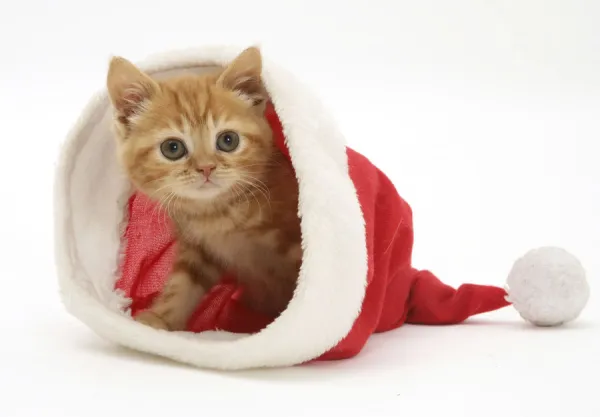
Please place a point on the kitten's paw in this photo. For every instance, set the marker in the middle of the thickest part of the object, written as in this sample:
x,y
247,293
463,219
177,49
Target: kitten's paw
x,y
151,319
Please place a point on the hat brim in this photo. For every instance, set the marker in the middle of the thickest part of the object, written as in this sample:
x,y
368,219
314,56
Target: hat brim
x,y
91,196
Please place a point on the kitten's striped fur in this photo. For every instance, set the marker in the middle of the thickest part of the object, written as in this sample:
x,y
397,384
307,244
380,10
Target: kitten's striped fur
x,y
248,222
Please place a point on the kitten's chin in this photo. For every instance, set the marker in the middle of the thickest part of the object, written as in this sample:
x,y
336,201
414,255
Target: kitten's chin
x,y
205,192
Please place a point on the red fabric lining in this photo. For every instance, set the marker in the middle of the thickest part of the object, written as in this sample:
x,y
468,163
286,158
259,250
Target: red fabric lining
x,y
396,292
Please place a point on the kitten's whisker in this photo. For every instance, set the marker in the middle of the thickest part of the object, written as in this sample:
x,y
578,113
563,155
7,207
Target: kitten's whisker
x,y
158,206
166,212
251,184
263,185
171,201
264,190
149,196
256,199
266,198
241,194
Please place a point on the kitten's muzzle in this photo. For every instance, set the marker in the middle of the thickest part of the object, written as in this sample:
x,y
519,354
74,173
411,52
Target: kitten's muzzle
x,y
206,170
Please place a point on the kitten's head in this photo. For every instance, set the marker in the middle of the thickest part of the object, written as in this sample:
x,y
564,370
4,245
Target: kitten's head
x,y
197,137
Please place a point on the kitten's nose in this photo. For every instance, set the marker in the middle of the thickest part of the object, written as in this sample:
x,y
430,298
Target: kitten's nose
x,y
206,169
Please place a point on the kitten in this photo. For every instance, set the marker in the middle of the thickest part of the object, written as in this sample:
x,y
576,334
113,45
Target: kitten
x,y
200,146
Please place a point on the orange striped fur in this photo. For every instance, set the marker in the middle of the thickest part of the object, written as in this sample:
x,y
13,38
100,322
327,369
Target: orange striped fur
x,y
243,220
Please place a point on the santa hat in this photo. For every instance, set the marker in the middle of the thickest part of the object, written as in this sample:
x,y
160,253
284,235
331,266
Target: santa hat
x,y
114,248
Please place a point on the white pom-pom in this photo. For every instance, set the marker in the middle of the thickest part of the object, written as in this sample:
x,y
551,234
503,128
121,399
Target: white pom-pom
x,y
548,286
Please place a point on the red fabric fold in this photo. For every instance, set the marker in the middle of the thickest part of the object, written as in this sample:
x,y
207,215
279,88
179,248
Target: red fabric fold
x,y
433,302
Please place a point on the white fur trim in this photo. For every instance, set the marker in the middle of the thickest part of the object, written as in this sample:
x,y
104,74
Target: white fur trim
x,y
90,197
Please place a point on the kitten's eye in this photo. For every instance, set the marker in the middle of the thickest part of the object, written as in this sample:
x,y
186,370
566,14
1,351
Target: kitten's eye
x,y
173,149
228,141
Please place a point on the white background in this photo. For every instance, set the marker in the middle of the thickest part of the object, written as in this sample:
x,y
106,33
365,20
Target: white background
x,y
485,114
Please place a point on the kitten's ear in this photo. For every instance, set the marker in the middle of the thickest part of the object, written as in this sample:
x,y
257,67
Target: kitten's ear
x,y
128,88
243,75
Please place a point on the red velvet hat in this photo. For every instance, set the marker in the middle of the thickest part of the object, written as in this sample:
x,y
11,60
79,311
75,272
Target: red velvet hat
x,y
356,277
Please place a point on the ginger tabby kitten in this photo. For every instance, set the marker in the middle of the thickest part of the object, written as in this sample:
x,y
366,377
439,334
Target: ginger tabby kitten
x,y
201,147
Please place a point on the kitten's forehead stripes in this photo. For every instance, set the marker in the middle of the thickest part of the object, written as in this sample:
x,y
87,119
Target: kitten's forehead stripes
x,y
196,109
